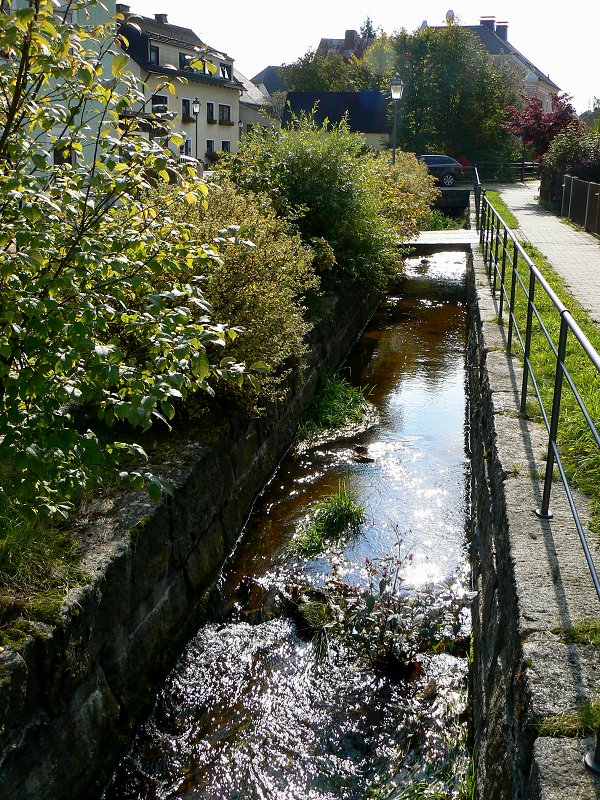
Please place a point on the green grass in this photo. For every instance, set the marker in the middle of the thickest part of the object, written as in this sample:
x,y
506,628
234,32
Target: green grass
x,y
502,209
579,452
438,221
332,515
586,632
336,404
582,722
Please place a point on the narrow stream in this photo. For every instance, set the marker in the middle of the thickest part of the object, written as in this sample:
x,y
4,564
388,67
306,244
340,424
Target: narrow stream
x,y
251,711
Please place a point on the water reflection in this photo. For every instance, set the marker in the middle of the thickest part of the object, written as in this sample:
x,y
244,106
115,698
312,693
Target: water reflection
x,y
249,712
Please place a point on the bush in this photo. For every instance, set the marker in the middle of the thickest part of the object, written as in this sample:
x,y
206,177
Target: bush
x,y
327,183
570,153
93,309
257,284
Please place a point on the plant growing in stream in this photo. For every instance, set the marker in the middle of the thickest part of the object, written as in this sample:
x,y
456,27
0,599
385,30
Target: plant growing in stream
x,y
332,515
386,624
336,404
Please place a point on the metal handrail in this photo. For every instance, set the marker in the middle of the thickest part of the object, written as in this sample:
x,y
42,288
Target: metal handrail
x,y
501,249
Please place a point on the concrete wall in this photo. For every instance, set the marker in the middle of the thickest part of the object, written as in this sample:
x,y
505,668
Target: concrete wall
x,y
71,694
532,584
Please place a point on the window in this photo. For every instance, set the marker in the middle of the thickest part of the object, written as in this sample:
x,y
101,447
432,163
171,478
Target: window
x,y
226,147
154,54
210,145
186,148
206,67
159,103
224,114
186,110
184,61
225,71
210,112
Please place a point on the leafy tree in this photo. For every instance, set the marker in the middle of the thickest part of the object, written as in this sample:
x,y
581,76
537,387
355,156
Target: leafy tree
x,y
315,72
368,29
537,128
96,324
455,98
592,117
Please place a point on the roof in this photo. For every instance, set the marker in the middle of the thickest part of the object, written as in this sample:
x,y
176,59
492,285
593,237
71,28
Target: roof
x,y
170,34
497,46
366,111
252,94
270,78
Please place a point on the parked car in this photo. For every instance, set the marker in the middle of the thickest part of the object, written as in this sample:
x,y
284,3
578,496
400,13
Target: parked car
x,y
447,170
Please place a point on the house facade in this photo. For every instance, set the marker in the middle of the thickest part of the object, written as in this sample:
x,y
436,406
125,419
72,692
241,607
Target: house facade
x,y
202,78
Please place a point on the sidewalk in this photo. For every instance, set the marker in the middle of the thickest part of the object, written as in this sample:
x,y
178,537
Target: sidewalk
x,y
575,255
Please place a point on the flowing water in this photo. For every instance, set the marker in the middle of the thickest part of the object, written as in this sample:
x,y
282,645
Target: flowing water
x,y
250,711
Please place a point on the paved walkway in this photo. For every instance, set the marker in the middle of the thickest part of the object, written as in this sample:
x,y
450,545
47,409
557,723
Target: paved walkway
x,y
575,255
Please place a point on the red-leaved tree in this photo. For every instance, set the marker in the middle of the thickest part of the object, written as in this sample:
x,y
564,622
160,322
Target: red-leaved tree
x,y
535,127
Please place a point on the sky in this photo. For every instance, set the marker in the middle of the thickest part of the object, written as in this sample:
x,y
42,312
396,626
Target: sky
x,y
561,39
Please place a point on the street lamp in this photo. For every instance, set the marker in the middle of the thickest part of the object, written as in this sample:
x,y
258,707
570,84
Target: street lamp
x,y
195,112
397,88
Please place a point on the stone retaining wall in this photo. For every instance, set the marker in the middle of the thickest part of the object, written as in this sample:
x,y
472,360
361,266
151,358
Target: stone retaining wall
x,y
71,694
532,584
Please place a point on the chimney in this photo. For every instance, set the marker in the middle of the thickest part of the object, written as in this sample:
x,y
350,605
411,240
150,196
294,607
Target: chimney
x,y
162,18
123,9
488,22
351,40
502,31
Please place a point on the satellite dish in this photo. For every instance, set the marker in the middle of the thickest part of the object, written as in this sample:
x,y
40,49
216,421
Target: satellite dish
x,y
449,16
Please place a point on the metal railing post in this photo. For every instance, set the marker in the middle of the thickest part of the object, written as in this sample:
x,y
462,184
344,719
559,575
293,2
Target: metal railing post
x,y
503,273
483,221
527,350
544,512
495,281
511,305
592,757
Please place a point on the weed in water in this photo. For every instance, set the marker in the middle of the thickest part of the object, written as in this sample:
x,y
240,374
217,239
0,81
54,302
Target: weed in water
x,y
336,404
333,514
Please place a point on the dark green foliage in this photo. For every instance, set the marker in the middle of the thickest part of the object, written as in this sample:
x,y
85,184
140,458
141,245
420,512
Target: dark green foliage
x,y
455,97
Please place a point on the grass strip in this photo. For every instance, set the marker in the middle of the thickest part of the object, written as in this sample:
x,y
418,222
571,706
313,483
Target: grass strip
x,y
579,453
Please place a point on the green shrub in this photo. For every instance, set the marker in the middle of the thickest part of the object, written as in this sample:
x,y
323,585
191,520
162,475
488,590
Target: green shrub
x,y
326,181
570,153
259,281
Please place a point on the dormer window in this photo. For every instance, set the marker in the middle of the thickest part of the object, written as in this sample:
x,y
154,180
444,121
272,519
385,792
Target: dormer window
x,y
225,71
154,54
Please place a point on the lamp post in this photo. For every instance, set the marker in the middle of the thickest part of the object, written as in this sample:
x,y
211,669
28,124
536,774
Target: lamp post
x,y
240,130
397,88
195,112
